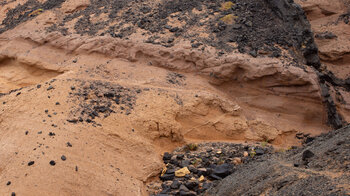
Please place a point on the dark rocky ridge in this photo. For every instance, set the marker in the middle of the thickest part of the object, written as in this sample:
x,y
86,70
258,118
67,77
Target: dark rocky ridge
x,y
23,13
257,27
319,168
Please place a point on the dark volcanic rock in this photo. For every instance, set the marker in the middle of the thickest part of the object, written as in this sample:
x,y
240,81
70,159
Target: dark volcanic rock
x,y
223,170
166,156
259,152
23,12
208,163
53,163
258,27
307,154
175,185
193,185
280,174
166,177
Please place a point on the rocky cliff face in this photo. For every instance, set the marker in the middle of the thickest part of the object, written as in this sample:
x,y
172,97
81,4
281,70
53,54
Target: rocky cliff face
x,y
330,24
111,85
320,167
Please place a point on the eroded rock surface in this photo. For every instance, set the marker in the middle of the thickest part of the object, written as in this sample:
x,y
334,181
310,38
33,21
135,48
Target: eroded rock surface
x,y
320,168
111,85
330,23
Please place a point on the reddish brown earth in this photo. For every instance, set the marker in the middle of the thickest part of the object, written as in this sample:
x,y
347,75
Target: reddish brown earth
x,y
121,102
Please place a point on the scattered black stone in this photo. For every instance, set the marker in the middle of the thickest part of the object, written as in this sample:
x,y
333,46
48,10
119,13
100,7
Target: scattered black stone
x,y
53,163
8,183
69,144
259,151
72,120
175,185
26,132
63,158
166,177
223,170
13,194
30,163
76,168
192,185
307,154
101,99
50,88
213,161
52,134
57,103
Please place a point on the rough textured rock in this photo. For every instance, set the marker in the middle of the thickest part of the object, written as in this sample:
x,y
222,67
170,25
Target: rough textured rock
x,y
330,19
114,84
320,168
208,163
